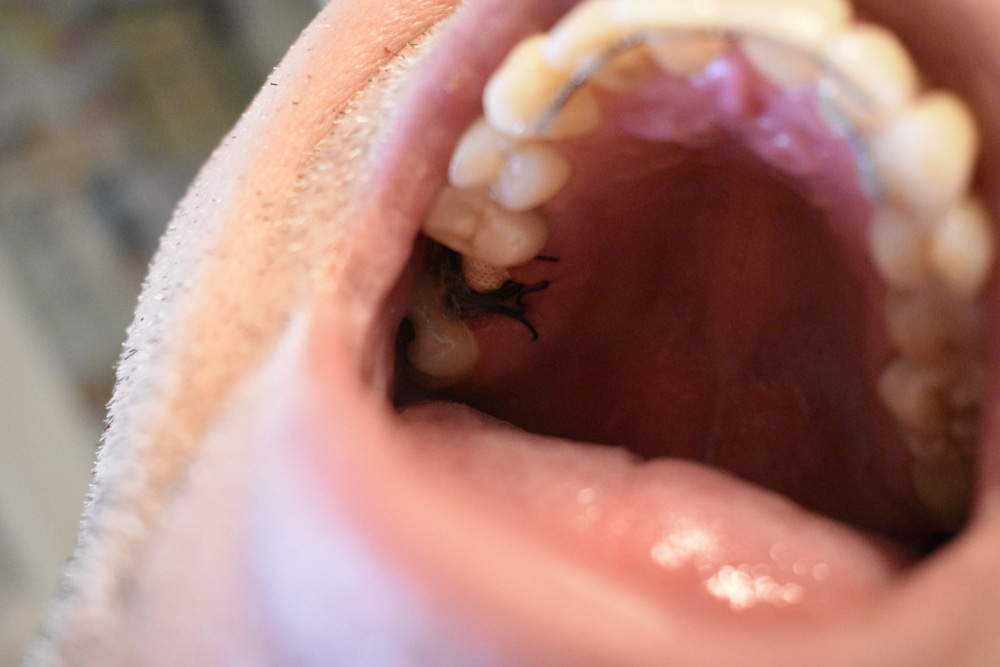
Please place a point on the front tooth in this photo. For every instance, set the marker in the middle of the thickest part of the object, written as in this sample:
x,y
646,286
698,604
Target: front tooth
x,y
776,62
470,223
961,248
581,37
685,55
875,62
896,243
443,349
914,396
520,97
925,156
478,156
531,175
803,23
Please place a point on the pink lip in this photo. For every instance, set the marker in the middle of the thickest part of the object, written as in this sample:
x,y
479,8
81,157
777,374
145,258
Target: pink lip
x,y
490,553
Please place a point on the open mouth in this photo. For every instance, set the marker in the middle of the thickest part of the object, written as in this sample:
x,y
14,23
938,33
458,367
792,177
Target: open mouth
x,y
697,296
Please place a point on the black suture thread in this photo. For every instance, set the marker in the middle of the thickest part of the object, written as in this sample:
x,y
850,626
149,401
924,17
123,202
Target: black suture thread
x,y
461,301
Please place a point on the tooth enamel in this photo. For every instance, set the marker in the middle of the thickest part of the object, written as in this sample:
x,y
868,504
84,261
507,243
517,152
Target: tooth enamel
x,y
925,156
532,175
478,156
875,61
580,36
961,248
519,97
897,247
443,348
471,224
945,488
777,63
685,55
803,23
482,276
914,396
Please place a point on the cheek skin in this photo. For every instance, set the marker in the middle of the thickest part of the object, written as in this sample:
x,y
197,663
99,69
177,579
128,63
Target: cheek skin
x,y
232,268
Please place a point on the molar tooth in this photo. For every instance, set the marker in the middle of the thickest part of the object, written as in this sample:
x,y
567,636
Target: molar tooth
x,y
478,156
482,276
804,23
531,175
443,349
896,242
914,396
471,224
961,248
776,62
876,63
522,93
926,155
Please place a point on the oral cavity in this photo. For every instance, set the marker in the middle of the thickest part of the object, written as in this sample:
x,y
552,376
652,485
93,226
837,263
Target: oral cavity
x,y
927,236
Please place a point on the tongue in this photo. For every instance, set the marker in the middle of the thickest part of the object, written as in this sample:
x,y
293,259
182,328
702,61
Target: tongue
x,y
712,300
670,528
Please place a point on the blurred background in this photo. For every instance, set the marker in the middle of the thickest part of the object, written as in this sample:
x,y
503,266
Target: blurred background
x,y
107,109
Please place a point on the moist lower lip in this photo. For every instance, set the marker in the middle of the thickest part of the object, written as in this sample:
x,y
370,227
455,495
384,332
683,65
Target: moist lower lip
x,y
389,433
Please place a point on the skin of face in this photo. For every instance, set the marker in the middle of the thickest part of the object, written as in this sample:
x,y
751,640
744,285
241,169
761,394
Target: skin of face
x,y
251,507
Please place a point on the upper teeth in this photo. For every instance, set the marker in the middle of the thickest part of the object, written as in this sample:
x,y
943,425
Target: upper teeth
x,y
917,150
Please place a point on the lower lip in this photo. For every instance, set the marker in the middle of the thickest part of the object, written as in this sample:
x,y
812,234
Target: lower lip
x,y
506,551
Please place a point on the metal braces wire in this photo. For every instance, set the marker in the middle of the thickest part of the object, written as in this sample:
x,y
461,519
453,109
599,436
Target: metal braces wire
x,y
831,82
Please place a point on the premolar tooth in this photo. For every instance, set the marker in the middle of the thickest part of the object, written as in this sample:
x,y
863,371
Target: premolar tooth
x,y
531,175
896,242
470,223
478,156
782,66
803,23
482,276
520,98
875,62
961,248
685,55
443,349
926,155
914,396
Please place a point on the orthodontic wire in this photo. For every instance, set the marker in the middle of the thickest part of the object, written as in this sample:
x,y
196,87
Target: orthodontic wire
x,y
830,79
